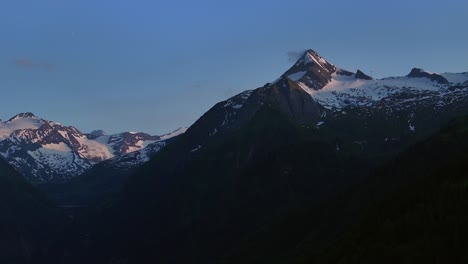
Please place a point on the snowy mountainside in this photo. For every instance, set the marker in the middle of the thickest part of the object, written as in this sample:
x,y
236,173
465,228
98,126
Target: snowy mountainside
x,y
46,151
136,158
21,121
314,91
174,133
345,90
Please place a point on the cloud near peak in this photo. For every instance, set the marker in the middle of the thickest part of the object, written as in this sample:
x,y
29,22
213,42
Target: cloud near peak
x,y
294,55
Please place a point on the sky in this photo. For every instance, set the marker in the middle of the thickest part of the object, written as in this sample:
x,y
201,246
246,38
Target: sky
x,y
154,66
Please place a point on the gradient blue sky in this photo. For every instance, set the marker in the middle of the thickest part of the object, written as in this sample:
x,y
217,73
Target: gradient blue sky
x,y
154,66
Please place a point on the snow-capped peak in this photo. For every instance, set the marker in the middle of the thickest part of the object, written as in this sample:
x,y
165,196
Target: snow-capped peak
x,y
312,70
20,121
336,88
25,115
311,56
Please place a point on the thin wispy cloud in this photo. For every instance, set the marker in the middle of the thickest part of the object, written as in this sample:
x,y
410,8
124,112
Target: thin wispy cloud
x,y
294,55
32,65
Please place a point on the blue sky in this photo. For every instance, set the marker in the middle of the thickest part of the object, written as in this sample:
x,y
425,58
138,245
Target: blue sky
x,y
154,66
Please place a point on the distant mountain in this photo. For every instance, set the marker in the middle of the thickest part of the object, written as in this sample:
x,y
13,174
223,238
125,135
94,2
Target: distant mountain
x,y
107,177
137,158
45,151
268,155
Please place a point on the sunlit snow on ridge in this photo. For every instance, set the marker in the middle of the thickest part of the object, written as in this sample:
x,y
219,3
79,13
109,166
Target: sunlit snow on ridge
x,y
343,90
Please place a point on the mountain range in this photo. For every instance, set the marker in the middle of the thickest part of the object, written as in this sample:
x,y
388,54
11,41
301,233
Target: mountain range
x,y
312,91
45,151
290,172
295,148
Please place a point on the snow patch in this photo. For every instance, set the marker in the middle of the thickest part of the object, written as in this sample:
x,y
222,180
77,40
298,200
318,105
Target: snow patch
x,y
174,133
456,78
91,149
8,127
196,148
345,90
297,76
60,147
214,132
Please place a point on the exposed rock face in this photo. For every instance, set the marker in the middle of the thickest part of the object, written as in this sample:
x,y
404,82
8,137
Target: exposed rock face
x,y
293,101
97,133
363,76
419,73
312,70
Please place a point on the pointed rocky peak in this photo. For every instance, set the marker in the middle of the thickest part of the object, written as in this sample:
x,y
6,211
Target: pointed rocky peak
x,y
311,56
19,122
98,133
311,59
361,75
420,73
26,115
312,70
417,72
